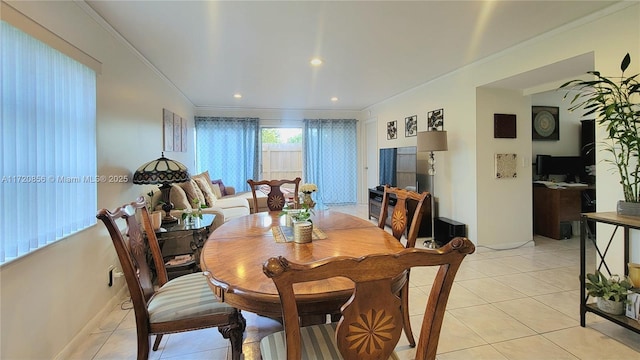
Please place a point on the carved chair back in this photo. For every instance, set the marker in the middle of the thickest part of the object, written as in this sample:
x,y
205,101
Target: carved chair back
x,y
276,200
371,321
399,222
400,216
133,247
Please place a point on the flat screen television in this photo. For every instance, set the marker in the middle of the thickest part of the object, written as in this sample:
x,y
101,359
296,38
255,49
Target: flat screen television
x,y
397,167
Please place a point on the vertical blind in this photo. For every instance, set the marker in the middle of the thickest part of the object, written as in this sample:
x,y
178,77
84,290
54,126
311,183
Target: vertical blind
x,y
331,159
48,144
228,147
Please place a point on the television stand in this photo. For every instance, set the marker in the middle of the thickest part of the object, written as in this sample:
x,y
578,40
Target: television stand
x,y
375,205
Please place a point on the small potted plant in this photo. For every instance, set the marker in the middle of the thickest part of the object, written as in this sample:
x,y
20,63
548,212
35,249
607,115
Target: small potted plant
x,y
189,215
300,220
611,293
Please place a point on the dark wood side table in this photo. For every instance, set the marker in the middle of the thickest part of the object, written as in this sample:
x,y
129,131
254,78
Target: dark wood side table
x,y
181,239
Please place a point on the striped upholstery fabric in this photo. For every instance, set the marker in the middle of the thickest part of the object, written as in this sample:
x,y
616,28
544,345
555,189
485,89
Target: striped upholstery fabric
x,y
185,297
318,343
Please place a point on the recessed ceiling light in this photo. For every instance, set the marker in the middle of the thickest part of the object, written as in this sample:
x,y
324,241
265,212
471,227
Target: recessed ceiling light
x,y
237,96
334,99
316,62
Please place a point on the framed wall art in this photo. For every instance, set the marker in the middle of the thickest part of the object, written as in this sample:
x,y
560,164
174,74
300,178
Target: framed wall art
x,y
504,126
411,126
174,134
545,123
392,130
435,120
167,122
506,166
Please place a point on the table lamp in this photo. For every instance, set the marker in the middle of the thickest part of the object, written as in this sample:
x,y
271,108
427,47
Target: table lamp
x,y
165,172
430,141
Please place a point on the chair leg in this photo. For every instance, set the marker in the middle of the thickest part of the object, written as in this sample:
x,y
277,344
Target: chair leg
x,y
143,345
234,332
404,296
156,343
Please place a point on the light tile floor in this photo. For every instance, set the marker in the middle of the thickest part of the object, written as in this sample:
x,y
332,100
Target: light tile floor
x,y
510,304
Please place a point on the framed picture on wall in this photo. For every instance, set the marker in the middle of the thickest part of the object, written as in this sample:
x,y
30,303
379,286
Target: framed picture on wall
x,y
167,122
504,126
435,120
392,130
174,132
411,126
545,123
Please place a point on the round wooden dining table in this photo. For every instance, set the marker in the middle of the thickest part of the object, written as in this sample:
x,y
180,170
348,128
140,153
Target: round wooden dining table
x,y
233,255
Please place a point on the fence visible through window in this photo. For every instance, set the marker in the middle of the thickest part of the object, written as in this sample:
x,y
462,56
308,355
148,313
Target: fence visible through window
x,y
281,156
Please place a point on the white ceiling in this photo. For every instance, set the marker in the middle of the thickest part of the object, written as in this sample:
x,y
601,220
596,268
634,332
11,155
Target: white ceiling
x,y
372,50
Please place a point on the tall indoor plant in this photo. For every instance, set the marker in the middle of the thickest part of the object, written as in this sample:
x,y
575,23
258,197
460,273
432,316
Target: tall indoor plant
x,y
615,101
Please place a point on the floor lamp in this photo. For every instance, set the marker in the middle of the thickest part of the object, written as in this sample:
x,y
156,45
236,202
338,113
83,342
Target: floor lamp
x,y
430,141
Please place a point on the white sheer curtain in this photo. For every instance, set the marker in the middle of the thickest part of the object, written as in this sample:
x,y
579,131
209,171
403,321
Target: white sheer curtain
x,y
331,159
48,144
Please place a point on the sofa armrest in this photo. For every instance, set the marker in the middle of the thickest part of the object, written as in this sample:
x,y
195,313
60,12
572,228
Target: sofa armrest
x,y
219,219
230,190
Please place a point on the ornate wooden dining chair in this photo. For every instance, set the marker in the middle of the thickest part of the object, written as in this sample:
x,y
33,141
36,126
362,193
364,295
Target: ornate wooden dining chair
x,y
182,304
371,320
276,200
399,222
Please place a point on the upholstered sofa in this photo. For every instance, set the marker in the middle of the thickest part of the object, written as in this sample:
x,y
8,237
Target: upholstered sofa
x,y
221,200
189,195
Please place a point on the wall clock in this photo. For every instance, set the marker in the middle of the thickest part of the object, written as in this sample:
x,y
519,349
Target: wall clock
x,y
545,123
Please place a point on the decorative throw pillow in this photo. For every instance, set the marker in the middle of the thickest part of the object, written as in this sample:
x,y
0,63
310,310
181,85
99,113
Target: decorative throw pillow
x,y
220,185
179,198
193,192
216,190
204,185
204,175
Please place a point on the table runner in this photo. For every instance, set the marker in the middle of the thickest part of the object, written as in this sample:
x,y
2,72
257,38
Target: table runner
x,y
283,234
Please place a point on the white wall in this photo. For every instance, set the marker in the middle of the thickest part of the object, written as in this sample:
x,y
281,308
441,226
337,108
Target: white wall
x,y
509,222
458,184
49,296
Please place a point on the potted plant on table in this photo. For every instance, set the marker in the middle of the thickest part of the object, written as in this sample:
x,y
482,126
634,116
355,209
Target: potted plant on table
x,y
300,220
189,215
611,293
616,103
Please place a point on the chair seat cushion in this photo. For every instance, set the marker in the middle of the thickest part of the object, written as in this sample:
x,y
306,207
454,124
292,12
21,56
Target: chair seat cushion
x,y
185,297
318,343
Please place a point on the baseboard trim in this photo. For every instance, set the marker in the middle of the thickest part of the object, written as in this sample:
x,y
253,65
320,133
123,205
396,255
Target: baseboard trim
x,y
508,246
84,333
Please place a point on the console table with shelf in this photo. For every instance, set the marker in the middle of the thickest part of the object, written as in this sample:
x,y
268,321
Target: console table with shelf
x,y
375,205
626,223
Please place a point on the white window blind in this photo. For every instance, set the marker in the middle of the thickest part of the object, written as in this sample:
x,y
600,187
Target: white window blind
x,y
47,144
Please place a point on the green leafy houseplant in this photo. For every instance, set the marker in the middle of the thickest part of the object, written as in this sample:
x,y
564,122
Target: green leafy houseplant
x,y
616,103
614,289
195,211
302,214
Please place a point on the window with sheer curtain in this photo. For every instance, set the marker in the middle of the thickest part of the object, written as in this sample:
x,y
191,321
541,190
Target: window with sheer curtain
x,y
228,148
331,159
48,144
